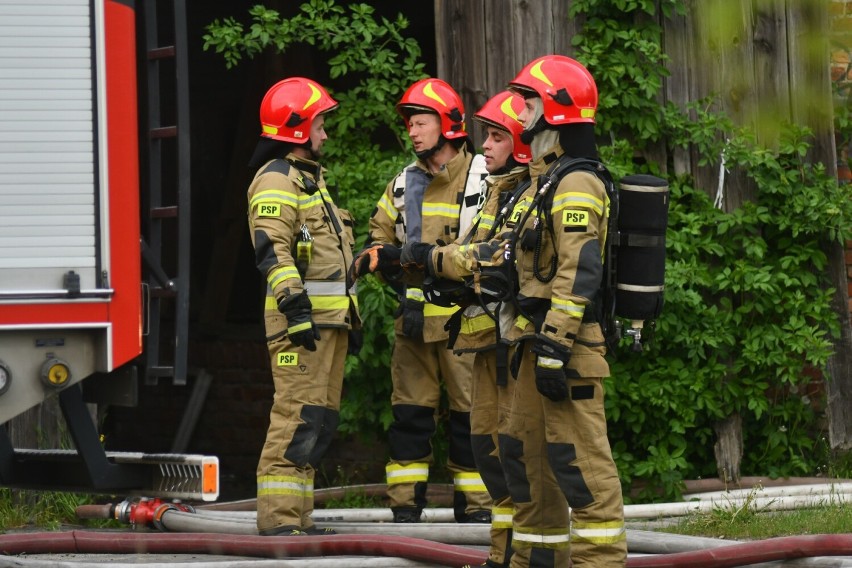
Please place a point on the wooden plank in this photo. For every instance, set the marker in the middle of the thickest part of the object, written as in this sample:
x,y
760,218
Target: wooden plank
x,y
771,70
460,24
722,29
503,34
812,105
678,45
564,27
497,38
810,77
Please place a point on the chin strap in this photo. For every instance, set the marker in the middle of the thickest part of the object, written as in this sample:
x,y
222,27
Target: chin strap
x,y
528,135
426,154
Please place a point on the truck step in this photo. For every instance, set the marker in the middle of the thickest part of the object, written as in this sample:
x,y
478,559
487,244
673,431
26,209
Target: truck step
x,y
167,476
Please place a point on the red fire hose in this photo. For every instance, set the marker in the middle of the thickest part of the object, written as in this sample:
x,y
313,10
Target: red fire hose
x,y
374,545
238,545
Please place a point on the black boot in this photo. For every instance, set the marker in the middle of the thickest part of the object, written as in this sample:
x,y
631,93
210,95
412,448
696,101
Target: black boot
x,y
480,516
284,530
406,514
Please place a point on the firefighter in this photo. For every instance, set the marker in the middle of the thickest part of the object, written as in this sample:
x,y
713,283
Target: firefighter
x,y
435,198
506,157
473,327
557,424
303,247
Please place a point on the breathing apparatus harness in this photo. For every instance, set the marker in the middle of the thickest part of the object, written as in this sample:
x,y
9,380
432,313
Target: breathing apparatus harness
x,y
633,279
633,282
497,283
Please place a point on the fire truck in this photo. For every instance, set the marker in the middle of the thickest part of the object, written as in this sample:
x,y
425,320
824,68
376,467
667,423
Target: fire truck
x,y
94,165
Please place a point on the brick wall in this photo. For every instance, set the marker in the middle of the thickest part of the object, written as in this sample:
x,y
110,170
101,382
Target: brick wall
x,y
841,73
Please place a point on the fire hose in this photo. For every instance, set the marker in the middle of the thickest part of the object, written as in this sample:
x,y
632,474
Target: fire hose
x,y
743,554
664,549
238,545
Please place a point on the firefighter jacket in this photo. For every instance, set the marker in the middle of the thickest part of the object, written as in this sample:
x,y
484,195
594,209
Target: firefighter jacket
x,y
478,329
420,207
302,243
559,264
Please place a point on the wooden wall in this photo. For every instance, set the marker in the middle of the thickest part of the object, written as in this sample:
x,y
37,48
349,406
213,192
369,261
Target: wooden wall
x,y
482,44
767,61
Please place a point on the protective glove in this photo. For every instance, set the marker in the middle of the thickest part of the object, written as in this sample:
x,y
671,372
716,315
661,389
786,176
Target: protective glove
x,y
379,257
416,257
301,328
355,342
550,377
453,327
447,293
493,275
412,318
491,253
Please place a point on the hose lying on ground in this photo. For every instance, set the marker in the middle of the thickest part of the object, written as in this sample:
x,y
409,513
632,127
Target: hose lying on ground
x,y
238,545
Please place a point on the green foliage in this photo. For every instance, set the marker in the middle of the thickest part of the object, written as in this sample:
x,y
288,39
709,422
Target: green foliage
x,y
356,499
44,509
366,406
622,47
747,322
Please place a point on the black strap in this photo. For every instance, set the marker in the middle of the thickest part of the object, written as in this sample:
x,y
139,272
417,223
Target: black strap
x,y
547,184
278,166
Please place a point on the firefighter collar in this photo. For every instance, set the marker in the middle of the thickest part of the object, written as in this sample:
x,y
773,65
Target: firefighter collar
x,y
540,165
456,168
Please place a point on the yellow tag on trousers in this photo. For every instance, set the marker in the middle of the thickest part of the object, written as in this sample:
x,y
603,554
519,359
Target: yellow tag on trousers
x,y
288,359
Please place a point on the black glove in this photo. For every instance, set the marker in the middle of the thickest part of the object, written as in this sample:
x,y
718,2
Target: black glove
x,y
416,257
356,341
382,258
550,377
453,326
447,293
412,319
301,328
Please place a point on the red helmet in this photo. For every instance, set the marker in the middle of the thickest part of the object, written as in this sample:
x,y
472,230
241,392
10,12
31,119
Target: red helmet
x,y
501,111
290,106
436,96
565,86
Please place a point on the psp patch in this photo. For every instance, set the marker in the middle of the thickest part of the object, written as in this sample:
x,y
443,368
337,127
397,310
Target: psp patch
x,y
575,219
288,359
268,209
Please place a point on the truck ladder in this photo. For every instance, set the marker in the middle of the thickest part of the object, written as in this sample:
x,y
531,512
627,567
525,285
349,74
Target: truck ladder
x,y
166,150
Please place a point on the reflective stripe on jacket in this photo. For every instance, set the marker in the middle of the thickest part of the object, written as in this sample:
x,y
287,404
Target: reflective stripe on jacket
x,y
287,201
451,199
578,210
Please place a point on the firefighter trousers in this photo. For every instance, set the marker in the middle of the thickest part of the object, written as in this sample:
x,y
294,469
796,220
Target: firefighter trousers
x,y
418,370
302,423
489,415
566,441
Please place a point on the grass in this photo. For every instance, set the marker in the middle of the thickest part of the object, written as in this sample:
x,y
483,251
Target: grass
x,y
831,519
748,521
46,510
356,500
